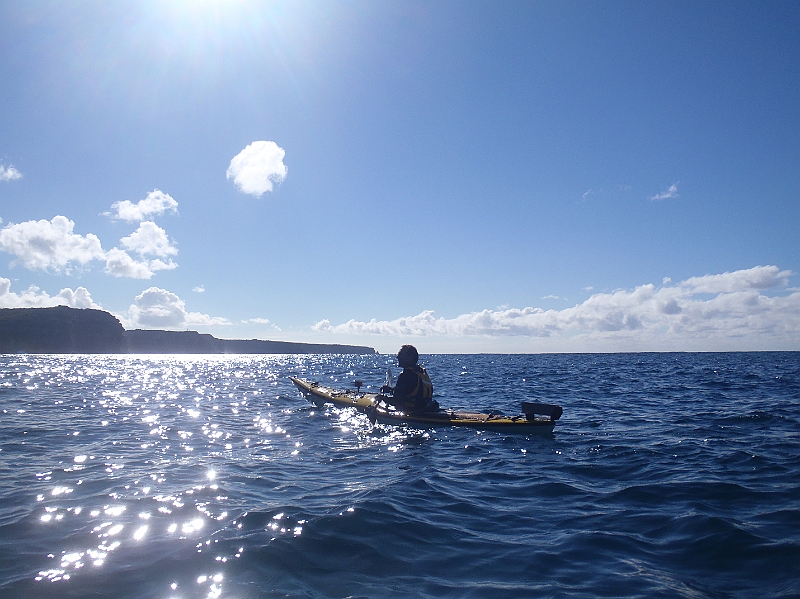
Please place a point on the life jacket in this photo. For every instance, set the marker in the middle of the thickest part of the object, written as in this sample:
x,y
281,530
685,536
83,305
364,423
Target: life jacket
x,y
423,392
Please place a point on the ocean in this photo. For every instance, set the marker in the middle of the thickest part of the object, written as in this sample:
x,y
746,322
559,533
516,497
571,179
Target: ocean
x,y
669,475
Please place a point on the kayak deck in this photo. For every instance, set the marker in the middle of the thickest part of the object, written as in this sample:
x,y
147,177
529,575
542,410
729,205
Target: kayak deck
x,y
373,405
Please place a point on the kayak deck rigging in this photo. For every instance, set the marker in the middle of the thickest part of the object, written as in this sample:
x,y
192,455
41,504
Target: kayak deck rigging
x,y
535,418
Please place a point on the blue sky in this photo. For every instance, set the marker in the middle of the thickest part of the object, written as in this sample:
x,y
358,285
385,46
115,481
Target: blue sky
x,y
484,176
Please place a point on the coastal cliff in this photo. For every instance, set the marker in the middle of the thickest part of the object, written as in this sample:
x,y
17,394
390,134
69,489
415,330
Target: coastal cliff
x,y
60,330
63,330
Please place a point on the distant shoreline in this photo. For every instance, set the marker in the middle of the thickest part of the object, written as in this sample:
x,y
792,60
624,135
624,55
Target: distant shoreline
x,y
64,330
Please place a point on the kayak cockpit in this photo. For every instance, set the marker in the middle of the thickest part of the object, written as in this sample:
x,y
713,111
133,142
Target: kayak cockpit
x,y
532,409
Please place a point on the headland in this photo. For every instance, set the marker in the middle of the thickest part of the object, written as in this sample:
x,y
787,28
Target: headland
x,y
64,330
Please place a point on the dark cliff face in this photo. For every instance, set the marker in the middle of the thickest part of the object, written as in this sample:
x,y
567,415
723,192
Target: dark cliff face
x,y
191,342
60,330
63,330
171,342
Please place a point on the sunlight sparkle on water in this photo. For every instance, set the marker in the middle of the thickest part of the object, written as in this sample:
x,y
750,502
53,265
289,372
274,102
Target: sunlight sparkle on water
x,y
192,526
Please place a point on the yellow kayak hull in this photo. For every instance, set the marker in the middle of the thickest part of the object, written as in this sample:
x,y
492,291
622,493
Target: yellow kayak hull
x,y
371,404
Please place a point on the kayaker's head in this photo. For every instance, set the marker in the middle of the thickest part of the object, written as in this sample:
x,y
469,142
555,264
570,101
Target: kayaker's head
x,y
407,356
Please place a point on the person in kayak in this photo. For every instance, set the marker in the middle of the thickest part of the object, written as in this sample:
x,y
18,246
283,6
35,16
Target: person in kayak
x,y
414,390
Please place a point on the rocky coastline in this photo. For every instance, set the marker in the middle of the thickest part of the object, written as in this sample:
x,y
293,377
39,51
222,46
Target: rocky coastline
x,y
64,330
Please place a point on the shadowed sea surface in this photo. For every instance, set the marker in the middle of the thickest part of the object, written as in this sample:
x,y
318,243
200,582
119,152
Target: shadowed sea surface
x,y
669,475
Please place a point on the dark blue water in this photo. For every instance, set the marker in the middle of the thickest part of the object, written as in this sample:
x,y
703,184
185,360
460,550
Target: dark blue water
x,y
669,475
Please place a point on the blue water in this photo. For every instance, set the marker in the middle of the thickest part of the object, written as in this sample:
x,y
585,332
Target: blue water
x,y
669,475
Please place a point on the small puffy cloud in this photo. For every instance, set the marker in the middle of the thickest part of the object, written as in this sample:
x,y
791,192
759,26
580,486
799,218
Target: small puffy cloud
x,y
162,309
158,264
199,289
552,297
324,326
156,203
33,297
257,167
80,298
9,173
149,238
672,192
675,316
49,245
120,264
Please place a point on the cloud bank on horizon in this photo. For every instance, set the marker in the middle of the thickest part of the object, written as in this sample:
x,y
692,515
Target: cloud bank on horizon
x,y
729,310
725,311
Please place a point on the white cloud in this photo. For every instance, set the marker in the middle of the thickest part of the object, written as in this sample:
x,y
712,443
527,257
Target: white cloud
x,y
672,192
149,238
257,167
156,203
53,246
159,264
199,289
9,173
80,298
162,309
120,264
262,321
33,297
760,277
553,297
738,316
49,245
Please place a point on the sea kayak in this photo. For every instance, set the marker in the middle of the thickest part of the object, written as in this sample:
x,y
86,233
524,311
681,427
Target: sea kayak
x,y
536,417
